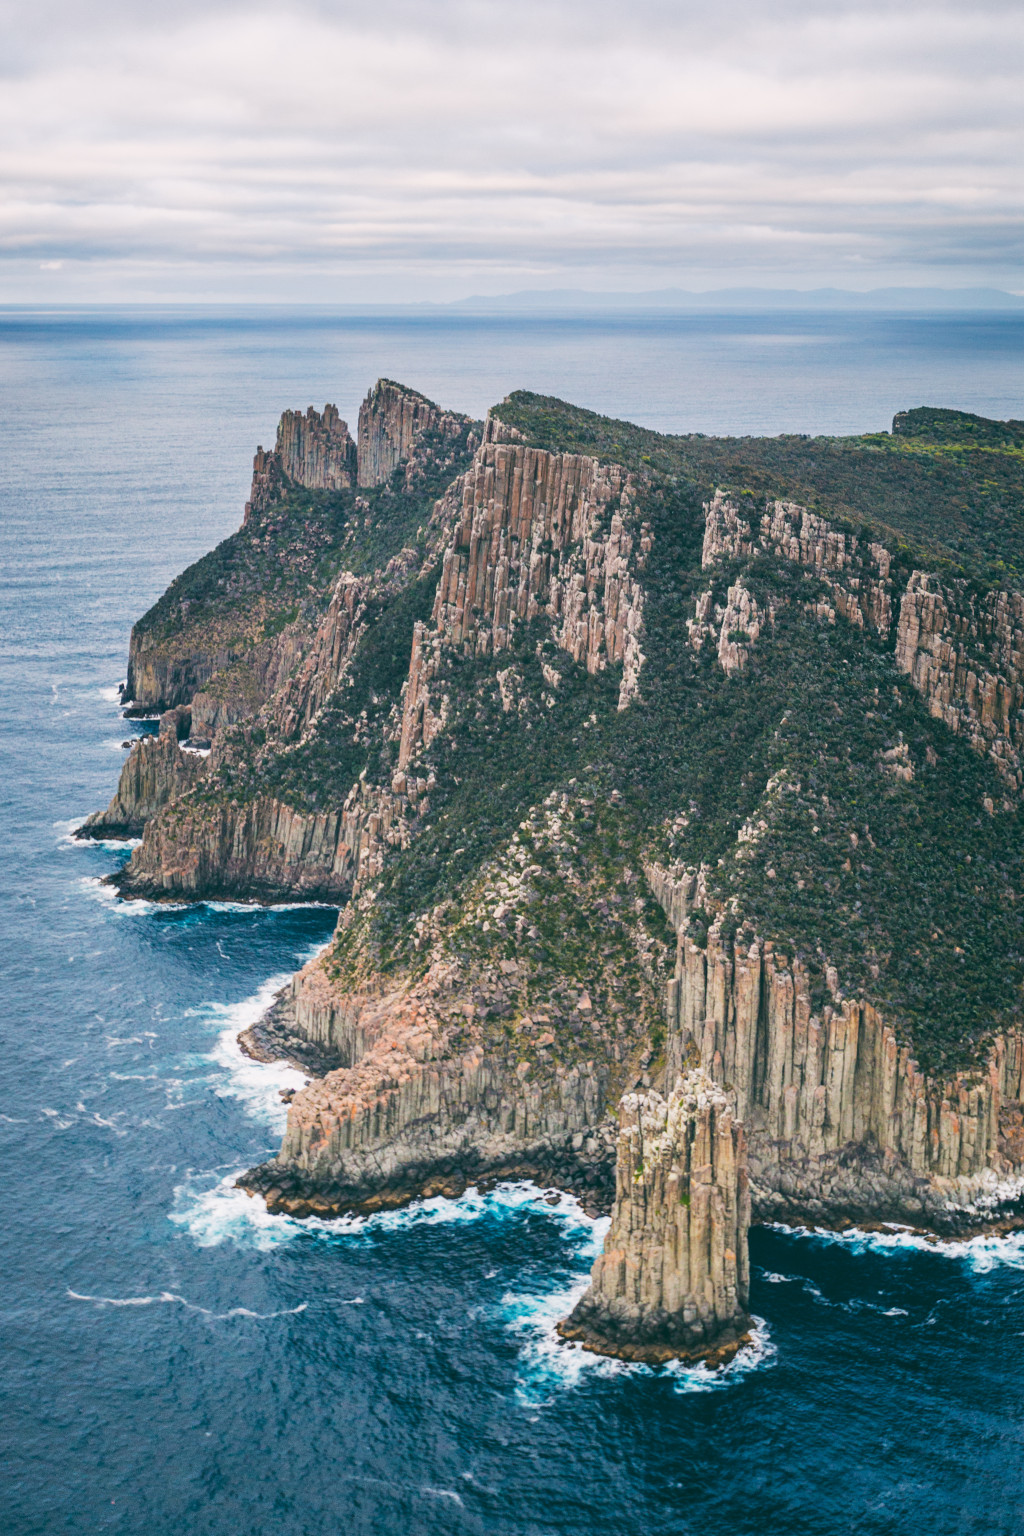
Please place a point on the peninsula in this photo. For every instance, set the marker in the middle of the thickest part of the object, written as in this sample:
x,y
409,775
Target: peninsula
x,y
670,789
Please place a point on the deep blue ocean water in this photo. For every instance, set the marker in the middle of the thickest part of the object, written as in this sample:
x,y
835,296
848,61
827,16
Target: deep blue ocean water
x,y
174,1362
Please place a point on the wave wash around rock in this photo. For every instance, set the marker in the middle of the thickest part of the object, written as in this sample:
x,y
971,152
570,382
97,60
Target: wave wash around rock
x,y
670,787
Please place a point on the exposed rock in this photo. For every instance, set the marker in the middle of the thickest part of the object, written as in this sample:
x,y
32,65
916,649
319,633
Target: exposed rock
x,y
964,653
263,848
314,451
672,1280
839,1118
535,533
393,421
156,771
856,571
425,1108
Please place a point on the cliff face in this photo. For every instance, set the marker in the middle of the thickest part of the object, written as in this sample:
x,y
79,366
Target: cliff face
x,y
522,534
429,1102
839,1117
263,848
156,772
227,644
536,534
673,1277
855,571
963,650
314,451
398,426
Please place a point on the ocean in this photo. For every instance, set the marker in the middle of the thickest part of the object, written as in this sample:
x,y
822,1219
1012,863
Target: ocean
x,y
174,1360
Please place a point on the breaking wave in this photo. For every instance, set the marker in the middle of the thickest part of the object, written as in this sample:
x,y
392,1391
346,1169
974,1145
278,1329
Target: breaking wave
x,y
982,1253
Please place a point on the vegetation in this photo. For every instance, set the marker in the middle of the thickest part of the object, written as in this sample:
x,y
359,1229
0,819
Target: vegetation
x,y
830,812
947,487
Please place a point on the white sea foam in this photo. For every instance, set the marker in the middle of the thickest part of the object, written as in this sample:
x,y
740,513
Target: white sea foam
x,y
191,1306
119,906
273,906
983,1253
213,1211
549,1364
443,1493
256,1084
66,829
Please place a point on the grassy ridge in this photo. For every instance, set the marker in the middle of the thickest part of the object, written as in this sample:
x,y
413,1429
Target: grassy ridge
x,y
948,486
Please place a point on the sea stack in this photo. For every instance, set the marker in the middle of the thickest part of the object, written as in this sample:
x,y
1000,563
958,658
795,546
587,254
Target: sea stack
x,y
672,1282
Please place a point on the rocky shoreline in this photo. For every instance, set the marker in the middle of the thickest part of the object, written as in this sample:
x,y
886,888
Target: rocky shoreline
x,y
558,990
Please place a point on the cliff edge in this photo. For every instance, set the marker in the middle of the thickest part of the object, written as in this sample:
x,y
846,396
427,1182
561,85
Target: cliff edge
x,y
670,787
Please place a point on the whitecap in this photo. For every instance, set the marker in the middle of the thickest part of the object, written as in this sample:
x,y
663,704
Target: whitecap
x,y
210,1208
272,906
220,1213
256,1084
549,1364
110,695
983,1253
172,1296
108,895
66,829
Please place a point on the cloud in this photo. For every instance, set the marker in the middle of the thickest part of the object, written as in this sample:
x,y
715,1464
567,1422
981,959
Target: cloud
x,y
463,145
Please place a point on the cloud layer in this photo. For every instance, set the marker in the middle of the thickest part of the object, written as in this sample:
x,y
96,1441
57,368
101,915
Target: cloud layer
x,y
432,148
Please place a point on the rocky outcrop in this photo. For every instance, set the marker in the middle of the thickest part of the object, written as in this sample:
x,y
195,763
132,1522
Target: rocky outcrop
x,y
264,849
157,771
856,571
314,451
536,533
164,677
399,426
672,1280
732,628
427,1106
839,1117
961,647
963,650
323,667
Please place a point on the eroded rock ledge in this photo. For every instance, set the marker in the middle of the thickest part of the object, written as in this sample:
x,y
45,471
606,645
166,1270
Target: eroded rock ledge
x,y
156,772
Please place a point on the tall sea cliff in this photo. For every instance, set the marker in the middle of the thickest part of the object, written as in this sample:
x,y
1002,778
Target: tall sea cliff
x,y
670,787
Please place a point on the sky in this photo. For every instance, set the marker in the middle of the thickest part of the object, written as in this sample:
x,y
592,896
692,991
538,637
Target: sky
x,y
402,150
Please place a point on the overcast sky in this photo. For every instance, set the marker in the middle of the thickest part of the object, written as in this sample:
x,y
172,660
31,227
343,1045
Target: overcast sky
x,y
405,149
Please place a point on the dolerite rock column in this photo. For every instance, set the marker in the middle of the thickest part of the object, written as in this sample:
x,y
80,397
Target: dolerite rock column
x,y
672,1282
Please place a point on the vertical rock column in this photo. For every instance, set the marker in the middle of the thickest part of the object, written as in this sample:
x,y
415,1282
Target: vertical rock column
x,y
672,1281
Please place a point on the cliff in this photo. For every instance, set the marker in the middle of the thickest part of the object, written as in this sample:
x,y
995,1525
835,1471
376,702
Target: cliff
x,y
426,1108
963,650
535,535
628,756
156,772
398,426
840,1119
313,451
672,1281
249,608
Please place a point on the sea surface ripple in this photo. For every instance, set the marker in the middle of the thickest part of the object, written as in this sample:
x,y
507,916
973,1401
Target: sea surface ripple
x,y
175,1359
